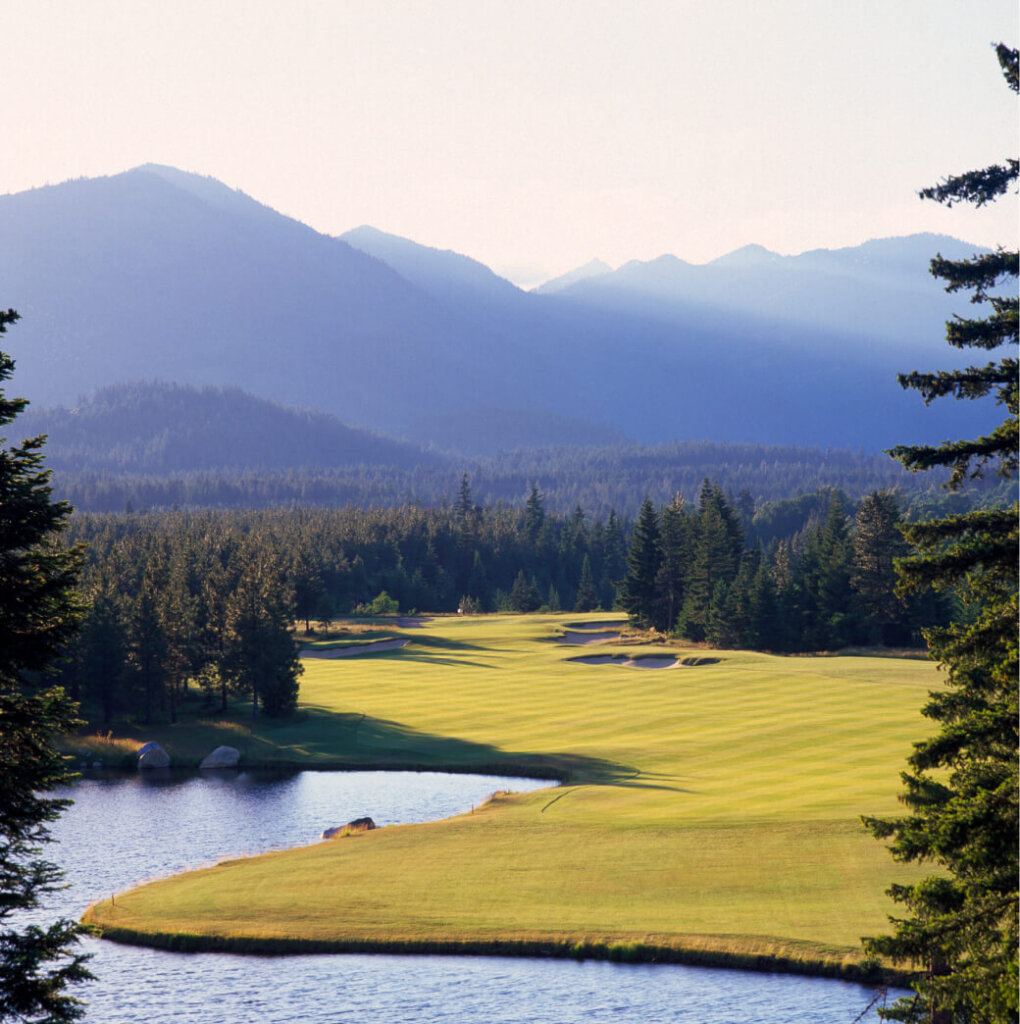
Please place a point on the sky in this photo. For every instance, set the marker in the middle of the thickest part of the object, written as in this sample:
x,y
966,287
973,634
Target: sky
x,y
533,135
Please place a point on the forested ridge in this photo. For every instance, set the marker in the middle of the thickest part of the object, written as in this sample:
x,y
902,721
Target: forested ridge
x,y
155,446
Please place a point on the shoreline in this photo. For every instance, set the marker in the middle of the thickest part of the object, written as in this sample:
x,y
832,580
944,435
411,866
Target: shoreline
x,y
620,789
551,948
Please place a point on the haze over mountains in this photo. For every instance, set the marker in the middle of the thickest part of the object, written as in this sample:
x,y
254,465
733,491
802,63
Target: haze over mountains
x,y
155,274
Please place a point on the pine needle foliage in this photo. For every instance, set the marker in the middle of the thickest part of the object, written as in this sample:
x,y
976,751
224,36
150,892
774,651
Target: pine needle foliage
x,y
38,613
960,929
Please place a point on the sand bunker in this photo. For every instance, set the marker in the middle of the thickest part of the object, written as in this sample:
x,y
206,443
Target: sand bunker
x,y
643,661
353,649
600,624
573,637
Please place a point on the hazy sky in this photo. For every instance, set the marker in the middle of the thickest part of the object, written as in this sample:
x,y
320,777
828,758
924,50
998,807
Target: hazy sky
x,y
530,135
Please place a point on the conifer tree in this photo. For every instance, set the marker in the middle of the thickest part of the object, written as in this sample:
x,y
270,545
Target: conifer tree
x,y
960,926
259,656
637,591
101,658
524,596
718,543
676,542
877,543
614,561
587,595
534,514
478,588
147,648
833,595
38,615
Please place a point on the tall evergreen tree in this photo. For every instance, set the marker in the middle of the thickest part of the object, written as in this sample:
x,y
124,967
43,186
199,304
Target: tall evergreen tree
x,y
38,614
718,543
147,649
534,514
877,544
478,588
101,659
961,786
259,655
614,561
587,595
524,596
637,591
676,528
833,615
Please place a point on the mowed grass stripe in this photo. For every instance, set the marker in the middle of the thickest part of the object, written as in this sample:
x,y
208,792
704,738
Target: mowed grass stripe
x,y
713,807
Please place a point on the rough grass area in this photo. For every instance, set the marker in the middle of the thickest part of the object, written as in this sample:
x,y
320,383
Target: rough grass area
x,y
709,812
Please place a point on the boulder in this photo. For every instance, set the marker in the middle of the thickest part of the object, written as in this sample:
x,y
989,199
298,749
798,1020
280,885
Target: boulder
x,y
222,757
152,755
350,829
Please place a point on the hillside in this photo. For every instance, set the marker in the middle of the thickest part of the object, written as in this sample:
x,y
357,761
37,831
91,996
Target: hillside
x,y
158,274
160,429
153,445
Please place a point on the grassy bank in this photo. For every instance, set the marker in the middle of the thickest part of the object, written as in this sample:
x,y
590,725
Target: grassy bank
x,y
710,812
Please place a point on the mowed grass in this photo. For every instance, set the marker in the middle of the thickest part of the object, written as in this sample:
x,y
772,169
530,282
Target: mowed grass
x,y
711,809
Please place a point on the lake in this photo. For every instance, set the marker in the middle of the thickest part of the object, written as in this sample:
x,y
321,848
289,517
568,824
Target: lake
x,y
122,830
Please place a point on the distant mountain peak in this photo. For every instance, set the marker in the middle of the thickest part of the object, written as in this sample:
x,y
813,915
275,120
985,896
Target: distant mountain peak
x,y
593,268
747,255
441,271
207,189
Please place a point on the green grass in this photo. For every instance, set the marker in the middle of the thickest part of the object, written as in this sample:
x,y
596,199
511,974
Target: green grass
x,y
710,811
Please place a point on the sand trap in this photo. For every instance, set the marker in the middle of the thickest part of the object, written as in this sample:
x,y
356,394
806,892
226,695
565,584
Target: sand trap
x,y
601,624
572,637
354,649
647,661
652,661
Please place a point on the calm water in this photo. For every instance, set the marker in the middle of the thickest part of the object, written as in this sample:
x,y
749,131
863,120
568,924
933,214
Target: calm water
x,y
121,831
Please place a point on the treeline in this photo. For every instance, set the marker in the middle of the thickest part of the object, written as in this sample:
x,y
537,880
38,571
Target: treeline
x,y
599,480
148,446
830,584
204,602
176,606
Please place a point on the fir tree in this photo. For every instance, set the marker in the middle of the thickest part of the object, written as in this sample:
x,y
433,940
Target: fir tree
x,y
478,588
524,596
38,615
101,658
534,514
877,544
637,591
587,595
259,656
675,541
961,787
717,547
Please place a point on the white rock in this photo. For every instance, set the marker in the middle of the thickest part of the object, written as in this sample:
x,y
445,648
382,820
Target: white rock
x,y
222,757
152,755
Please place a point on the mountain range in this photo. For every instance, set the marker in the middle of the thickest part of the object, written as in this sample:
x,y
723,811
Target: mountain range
x,y
157,274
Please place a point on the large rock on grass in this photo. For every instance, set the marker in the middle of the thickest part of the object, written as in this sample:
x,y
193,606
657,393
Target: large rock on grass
x,y
350,829
222,757
152,755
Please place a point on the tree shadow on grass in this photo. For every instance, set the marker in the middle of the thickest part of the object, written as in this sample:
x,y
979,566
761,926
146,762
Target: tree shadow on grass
x,y
352,740
427,640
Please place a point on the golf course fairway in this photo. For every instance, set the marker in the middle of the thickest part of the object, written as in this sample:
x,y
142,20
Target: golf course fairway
x,y
710,811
